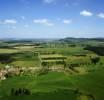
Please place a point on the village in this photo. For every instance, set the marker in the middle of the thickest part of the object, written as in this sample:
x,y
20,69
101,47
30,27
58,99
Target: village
x,y
10,71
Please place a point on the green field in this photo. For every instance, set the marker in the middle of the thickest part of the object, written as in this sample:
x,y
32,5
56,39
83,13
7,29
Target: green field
x,y
46,86
79,73
8,50
42,87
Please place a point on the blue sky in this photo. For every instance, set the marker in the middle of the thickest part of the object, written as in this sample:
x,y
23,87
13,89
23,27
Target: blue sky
x,y
51,18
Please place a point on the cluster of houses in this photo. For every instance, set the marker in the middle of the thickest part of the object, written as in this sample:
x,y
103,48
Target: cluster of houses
x,y
9,70
2,74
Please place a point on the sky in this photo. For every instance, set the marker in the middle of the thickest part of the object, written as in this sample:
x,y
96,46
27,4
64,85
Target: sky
x,y
51,18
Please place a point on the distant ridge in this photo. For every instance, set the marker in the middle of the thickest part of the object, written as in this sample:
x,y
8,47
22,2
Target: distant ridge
x,y
71,39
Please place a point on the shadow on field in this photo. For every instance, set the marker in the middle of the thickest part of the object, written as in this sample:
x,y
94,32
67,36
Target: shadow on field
x,y
59,94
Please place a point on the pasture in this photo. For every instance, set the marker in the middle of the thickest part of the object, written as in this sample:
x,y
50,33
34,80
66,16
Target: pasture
x,y
81,77
44,86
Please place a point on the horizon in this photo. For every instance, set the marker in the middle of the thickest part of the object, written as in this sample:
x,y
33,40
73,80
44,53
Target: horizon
x,y
51,19
51,38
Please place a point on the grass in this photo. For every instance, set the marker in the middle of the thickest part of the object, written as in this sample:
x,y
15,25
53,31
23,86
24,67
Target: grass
x,y
52,56
60,95
79,60
91,83
2,65
63,51
26,63
44,86
8,50
30,58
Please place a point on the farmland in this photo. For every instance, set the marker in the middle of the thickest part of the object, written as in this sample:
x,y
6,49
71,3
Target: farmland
x,y
65,69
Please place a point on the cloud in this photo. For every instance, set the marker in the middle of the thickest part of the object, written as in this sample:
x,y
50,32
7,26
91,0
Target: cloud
x,y
40,21
49,1
43,21
86,13
67,21
101,15
10,21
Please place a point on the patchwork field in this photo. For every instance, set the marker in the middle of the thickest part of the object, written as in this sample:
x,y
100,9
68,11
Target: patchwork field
x,y
51,71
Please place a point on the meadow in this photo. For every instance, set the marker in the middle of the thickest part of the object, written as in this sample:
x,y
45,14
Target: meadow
x,y
81,76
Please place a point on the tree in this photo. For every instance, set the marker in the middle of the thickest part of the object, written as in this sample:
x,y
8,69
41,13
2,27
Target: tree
x,y
95,60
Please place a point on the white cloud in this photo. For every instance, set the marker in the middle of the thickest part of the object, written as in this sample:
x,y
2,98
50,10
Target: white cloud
x,y
101,15
43,21
48,1
67,21
40,21
86,13
10,21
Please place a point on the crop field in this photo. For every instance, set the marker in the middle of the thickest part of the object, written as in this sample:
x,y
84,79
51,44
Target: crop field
x,y
8,50
51,71
64,51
